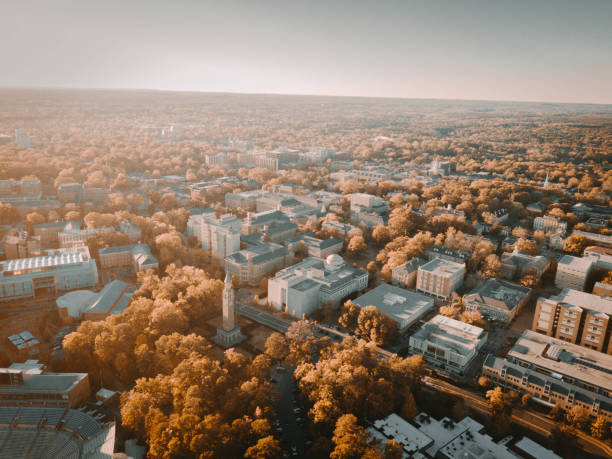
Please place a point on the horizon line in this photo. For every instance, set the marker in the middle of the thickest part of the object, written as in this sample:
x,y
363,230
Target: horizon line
x,y
247,93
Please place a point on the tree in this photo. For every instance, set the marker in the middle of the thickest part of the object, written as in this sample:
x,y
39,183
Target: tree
x,y
350,439
492,266
575,245
527,246
577,417
525,399
500,402
265,448
472,318
276,346
349,315
599,427
393,450
356,245
376,326
484,382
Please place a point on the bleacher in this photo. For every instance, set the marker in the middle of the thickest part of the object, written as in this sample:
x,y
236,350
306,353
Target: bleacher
x,y
49,432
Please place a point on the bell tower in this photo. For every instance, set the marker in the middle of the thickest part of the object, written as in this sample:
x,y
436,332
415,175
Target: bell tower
x,y
228,334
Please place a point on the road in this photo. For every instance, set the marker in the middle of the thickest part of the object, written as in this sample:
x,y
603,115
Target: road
x,y
288,413
531,420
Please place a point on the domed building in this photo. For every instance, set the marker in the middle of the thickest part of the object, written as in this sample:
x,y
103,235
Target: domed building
x,y
306,286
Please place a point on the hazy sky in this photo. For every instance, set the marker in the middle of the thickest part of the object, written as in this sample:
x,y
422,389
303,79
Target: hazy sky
x,y
533,50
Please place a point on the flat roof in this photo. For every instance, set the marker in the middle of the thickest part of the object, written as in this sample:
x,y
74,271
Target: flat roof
x,y
441,266
398,303
451,334
584,300
527,445
576,263
557,356
395,428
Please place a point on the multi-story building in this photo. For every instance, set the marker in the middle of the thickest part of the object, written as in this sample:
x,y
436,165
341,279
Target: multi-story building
x,y
549,224
22,246
405,275
439,251
447,343
306,286
368,209
273,222
220,159
497,299
133,232
94,194
405,307
78,237
602,240
573,272
29,384
320,199
320,248
601,289
555,372
339,227
69,192
26,187
220,236
49,232
516,264
247,200
252,264
138,257
602,257
60,270
575,317
440,277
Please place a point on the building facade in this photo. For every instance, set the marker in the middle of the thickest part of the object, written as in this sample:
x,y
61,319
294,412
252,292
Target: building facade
x,y
496,299
220,236
251,265
405,275
61,270
448,344
303,288
440,277
575,317
573,272
138,257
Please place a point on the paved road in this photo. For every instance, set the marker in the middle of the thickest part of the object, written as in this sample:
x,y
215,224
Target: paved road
x,y
531,420
292,434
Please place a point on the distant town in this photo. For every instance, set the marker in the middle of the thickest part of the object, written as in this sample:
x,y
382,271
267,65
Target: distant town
x,y
292,276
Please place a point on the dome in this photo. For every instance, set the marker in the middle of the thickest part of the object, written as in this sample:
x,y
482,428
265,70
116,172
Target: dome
x,y
334,260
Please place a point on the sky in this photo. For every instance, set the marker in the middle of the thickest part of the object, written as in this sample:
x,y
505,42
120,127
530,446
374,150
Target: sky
x,y
533,50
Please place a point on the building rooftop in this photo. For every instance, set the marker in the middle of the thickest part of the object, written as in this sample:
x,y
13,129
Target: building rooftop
x,y
113,298
395,428
441,267
498,293
398,303
563,358
259,253
410,266
584,300
578,264
451,334
58,258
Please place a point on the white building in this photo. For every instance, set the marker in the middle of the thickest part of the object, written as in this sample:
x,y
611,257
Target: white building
x,y
551,224
440,277
405,307
257,261
306,286
448,343
572,272
369,209
78,237
61,270
220,236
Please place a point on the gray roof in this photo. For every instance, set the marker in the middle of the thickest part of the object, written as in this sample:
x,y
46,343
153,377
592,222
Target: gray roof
x,y
497,293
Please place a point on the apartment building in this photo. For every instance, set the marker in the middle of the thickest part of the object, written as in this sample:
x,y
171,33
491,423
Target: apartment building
x,y
575,317
440,277
573,272
555,372
306,286
447,343
439,251
247,200
516,264
60,270
78,237
368,209
273,223
220,236
602,240
252,264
